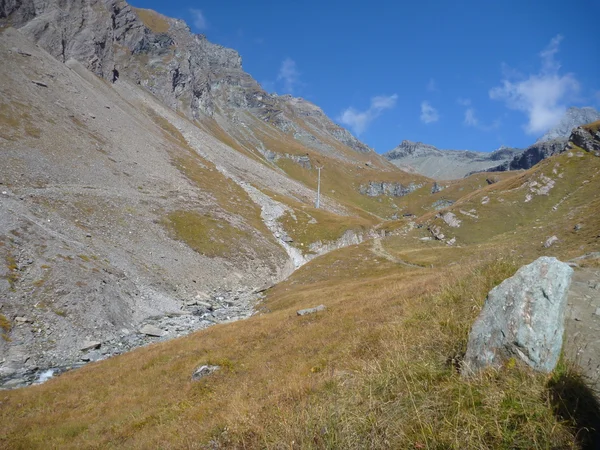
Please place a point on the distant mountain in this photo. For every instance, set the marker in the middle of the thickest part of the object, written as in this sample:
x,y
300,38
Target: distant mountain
x,y
529,157
416,157
445,164
574,117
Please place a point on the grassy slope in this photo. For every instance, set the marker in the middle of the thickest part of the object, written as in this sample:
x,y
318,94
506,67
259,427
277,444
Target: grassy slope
x,y
376,369
508,218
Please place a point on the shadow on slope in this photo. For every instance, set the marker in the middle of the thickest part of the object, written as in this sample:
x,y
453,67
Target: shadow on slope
x,y
576,403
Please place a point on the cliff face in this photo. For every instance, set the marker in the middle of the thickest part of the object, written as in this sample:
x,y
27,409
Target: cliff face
x,y
184,70
531,156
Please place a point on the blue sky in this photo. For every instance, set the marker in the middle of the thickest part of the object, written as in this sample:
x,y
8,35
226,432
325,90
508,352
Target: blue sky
x,y
459,75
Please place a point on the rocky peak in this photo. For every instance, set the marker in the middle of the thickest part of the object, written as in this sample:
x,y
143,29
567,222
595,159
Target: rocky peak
x,y
184,70
572,118
407,148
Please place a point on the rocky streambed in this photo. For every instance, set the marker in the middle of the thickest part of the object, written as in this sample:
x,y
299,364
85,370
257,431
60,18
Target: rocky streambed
x,y
198,314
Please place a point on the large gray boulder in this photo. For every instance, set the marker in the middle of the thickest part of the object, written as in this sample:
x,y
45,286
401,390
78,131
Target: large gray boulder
x,y
523,317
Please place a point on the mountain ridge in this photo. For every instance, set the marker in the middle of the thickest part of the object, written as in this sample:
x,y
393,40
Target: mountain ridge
x,y
185,70
449,164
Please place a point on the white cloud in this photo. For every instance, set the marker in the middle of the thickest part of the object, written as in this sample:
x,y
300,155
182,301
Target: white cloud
x,y
359,121
542,96
428,113
289,75
470,118
463,101
432,85
198,19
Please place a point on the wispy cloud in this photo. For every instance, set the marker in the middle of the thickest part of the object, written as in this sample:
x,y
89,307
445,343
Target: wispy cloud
x,y
289,75
471,120
359,121
432,85
198,19
463,101
543,96
428,113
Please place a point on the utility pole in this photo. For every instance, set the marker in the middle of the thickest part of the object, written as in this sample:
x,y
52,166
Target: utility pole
x,y
318,202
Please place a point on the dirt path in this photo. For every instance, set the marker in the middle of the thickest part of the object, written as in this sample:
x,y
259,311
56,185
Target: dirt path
x,y
582,323
378,249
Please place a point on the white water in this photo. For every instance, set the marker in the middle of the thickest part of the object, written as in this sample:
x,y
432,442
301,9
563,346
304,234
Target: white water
x,y
45,376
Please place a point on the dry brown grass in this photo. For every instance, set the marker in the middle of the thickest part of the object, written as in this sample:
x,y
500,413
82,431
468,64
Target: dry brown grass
x,y
375,370
154,21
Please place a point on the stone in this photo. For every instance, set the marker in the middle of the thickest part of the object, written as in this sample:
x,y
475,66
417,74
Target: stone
x,y
18,51
597,312
587,138
203,371
151,330
450,219
206,305
550,241
92,356
436,188
14,383
522,318
90,345
436,232
20,320
390,189
304,312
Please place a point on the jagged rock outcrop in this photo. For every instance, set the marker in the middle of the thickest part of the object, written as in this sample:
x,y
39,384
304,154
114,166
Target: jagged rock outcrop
x,y
531,156
391,189
572,118
522,318
587,137
445,164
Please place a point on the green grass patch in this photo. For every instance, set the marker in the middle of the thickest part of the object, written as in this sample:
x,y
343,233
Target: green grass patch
x,y
205,234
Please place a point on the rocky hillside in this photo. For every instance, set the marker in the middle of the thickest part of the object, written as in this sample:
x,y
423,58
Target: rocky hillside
x,y
451,164
362,347
416,157
150,187
185,71
572,118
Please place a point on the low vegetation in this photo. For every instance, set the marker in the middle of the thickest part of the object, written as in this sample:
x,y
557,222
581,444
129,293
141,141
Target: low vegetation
x,y
152,20
206,235
5,327
377,369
